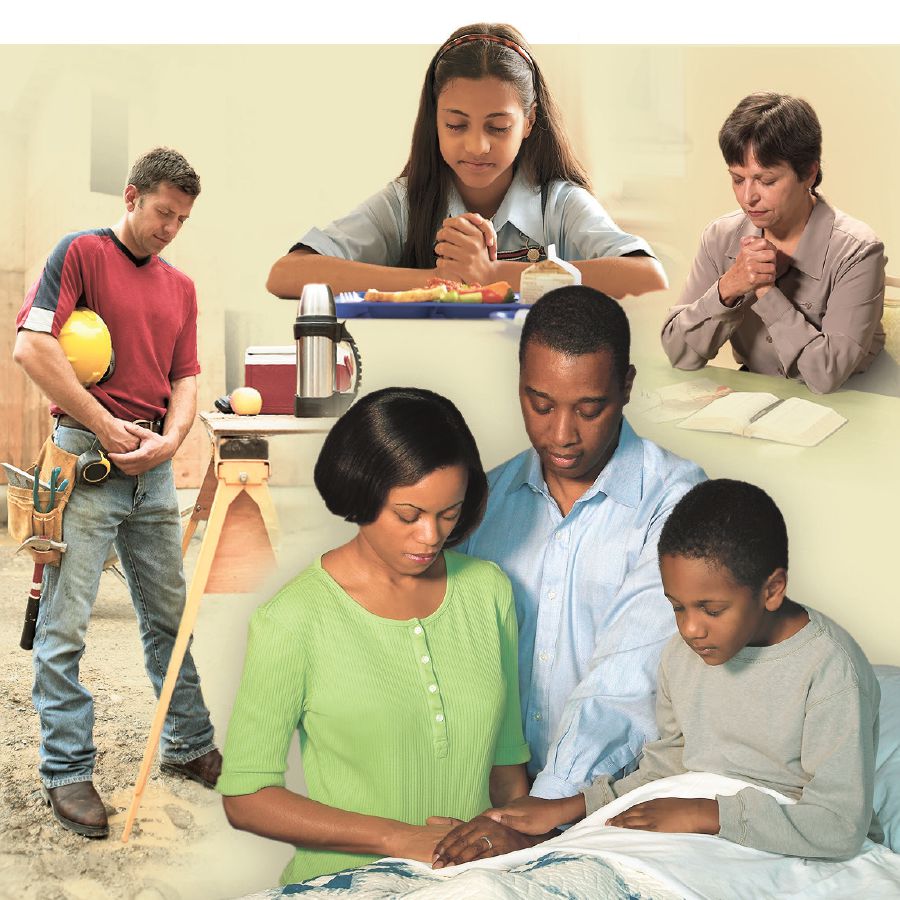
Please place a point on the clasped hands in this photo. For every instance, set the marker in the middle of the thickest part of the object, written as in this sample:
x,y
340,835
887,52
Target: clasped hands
x,y
758,266
134,449
466,249
529,820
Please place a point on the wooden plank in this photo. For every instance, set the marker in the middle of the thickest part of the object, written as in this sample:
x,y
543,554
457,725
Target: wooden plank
x,y
24,413
192,458
244,555
221,424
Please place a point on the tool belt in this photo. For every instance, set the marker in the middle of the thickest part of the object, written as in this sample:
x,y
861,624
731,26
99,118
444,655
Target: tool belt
x,y
27,523
155,425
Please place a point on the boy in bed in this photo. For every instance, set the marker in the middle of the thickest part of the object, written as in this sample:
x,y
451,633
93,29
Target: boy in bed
x,y
755,687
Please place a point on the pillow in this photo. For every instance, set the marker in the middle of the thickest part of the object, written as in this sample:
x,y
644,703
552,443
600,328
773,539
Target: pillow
x,y
887,759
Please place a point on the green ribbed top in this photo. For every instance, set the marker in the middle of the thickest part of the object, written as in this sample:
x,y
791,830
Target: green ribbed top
x,y
401,719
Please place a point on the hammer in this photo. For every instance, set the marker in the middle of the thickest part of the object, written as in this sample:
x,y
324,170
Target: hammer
x,y
40,545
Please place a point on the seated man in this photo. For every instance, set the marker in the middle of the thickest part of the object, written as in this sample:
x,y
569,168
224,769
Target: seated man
x,y
574,522
756,687
794,284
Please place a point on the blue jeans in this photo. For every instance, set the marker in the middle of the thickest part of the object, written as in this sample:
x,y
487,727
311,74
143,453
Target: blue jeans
x,y
140,514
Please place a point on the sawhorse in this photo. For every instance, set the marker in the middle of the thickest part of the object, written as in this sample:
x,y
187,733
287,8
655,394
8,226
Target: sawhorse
x,y
241,529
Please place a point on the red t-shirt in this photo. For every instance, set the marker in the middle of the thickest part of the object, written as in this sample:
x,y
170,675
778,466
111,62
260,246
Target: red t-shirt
x,y
149,307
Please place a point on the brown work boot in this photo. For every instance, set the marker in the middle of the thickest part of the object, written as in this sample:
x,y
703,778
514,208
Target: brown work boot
x,y
204,769
79,808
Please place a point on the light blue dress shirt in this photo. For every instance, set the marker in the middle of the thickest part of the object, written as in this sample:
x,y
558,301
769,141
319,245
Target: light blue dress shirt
x,y
593,619
573,220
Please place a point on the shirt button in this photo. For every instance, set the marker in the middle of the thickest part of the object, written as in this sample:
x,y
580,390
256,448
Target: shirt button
x,y
439,717
808,305
538,717
544,657
768,339
432,688
426,659
559,536
417,629
551,595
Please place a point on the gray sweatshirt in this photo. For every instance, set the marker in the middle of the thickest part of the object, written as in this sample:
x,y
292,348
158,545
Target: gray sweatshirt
x,y
799,717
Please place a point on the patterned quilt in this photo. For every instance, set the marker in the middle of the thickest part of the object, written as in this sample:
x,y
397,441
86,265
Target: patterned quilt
x,y
557,875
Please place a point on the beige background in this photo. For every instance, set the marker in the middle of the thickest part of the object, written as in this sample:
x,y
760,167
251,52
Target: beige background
x,y
288,137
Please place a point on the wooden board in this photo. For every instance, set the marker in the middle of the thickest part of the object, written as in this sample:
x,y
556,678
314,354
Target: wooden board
x,y
24,411
192,458
221,424
244,554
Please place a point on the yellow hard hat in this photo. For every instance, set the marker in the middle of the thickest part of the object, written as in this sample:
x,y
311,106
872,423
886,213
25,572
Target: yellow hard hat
x,y
87,344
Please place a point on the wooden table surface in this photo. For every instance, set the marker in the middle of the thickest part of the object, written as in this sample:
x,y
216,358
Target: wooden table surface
x,y
222,424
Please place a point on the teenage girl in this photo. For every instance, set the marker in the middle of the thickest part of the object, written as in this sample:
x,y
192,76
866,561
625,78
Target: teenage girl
x,y
490,182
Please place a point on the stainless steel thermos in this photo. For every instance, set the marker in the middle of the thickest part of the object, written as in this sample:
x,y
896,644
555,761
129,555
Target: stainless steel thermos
x,y
318,334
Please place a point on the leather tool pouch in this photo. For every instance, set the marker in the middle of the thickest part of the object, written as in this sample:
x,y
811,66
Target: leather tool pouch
x,y
24,520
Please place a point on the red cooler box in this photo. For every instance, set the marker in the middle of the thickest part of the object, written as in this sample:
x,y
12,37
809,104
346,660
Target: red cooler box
x,y
273,372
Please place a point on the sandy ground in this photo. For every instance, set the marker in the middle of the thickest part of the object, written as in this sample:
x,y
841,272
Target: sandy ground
x,y
182,845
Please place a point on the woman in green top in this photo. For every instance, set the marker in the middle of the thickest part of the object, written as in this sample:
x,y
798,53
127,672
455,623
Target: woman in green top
x,y
394,659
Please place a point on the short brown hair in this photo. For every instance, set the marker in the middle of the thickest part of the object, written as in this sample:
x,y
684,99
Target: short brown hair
x,y
164,164
777,128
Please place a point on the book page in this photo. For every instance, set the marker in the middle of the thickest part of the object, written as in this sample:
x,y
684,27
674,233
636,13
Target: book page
x,y
677,401
797,421
732,413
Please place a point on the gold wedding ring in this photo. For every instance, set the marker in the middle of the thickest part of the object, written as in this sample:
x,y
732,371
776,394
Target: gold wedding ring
x,y
487,840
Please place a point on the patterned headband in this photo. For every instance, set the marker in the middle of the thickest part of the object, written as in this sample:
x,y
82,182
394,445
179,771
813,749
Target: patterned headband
x,y
492,38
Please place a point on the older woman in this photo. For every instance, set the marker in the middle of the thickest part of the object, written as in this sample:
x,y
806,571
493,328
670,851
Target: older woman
x,y
796,285
394,658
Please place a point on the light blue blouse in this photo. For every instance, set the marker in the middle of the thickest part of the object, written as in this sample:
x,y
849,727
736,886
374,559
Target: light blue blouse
x,y
573,220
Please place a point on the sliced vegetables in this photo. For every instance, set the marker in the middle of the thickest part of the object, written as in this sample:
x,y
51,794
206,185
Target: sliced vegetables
x,y
438,290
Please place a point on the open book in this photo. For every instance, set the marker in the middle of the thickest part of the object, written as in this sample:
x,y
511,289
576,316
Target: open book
x,y
763,415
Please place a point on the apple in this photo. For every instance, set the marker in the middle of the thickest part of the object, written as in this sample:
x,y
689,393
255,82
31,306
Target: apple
x,y
246,401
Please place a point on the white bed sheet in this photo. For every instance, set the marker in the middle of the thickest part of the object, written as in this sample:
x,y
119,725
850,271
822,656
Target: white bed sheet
x,y
702,867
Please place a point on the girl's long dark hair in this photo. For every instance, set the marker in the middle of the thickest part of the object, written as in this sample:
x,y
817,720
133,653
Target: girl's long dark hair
x,y
546,154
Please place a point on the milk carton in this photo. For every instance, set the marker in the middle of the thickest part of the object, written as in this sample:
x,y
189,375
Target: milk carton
x,y
545,276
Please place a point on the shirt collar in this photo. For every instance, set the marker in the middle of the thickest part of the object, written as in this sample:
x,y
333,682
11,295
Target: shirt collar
x,y
521,208
137,260
529,473
455,205
746,228
621,480
809,257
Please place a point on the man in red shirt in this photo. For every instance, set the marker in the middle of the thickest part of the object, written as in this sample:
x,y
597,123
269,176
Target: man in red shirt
x,y
139,416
